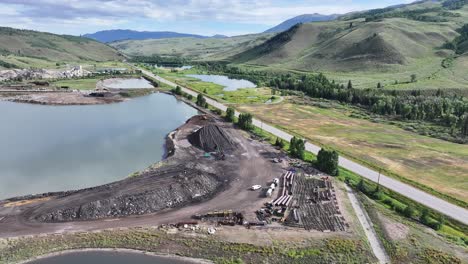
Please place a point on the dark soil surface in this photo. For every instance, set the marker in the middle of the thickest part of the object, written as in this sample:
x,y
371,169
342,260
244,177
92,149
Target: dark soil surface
x,y
184,184
212,138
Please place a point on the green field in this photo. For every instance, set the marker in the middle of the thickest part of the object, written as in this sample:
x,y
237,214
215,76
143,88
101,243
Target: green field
x,y
438,164
260,95
80,84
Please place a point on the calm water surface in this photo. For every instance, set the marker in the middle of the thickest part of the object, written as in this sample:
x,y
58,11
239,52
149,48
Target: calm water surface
x,y
228,83
55,148
131,83
91,257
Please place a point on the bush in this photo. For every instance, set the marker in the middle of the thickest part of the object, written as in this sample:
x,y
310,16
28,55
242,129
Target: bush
x,y
409,211
280,143
327,161
217,111
201,101
178,90
297,148
230,114
245,121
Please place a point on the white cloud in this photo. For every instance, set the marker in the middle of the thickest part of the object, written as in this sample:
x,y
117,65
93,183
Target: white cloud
x,y
89,15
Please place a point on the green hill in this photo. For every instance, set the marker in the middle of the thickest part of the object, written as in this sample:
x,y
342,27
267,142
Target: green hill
x,y
385,45
25,47
195,48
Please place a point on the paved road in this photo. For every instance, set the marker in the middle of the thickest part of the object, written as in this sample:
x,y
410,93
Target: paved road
x,y
374,241
431,201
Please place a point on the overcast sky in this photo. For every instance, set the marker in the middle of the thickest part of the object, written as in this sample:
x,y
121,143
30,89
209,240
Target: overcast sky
x,y
205,17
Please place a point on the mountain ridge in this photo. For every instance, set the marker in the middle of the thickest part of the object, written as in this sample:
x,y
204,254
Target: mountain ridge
x,y
52,47
305,18
107,36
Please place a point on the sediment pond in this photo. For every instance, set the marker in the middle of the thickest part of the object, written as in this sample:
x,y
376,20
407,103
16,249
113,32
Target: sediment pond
x,y
130,83
106,257
228,83
55,148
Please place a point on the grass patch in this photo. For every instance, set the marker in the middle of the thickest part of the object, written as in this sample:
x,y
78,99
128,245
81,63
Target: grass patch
x,y
402,154
131,93
80,84
240,96
196,245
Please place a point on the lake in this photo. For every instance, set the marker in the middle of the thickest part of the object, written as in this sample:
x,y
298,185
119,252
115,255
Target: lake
x,y
124,83
228,83
57,148
106,257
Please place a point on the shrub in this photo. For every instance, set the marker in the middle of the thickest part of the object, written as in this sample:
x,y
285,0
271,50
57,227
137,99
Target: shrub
x,y
245,121
327,161
230,114
297,148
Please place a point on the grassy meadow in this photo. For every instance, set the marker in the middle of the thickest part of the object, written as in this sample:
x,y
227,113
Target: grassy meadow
x,y
438,164
259,95
80,84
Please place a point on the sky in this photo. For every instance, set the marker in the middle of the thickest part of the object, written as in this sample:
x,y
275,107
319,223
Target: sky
x,y
204,17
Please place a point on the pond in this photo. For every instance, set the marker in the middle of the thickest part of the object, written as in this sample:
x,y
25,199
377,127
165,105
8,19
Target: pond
x,y
106,257
228,83
56,148
130,83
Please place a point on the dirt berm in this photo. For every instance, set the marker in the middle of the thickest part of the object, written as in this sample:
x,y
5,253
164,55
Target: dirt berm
x,y
169,187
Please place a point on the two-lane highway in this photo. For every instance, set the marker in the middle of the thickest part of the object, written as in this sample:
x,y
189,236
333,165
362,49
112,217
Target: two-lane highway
x,y
431,201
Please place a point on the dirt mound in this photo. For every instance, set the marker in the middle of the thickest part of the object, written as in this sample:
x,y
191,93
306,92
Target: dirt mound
x,y
153,191
212,138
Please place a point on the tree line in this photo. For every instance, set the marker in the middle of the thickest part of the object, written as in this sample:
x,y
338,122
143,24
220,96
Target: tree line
x,y
164,61
448,110
460,43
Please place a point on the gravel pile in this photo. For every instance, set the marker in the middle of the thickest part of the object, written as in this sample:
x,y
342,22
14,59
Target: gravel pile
x,y
147,194
212,138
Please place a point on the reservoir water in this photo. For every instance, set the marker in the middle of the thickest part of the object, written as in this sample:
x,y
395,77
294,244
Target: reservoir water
x,y
56,148
105,257
228,83
130,83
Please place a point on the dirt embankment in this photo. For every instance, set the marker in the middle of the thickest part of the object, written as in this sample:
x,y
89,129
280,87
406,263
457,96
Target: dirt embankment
x,y
168,187
66,98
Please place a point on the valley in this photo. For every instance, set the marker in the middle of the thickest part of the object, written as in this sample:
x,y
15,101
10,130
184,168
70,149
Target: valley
x,y
325,138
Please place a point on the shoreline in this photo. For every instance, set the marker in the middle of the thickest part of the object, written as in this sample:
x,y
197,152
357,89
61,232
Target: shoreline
x,y
168,148
120,250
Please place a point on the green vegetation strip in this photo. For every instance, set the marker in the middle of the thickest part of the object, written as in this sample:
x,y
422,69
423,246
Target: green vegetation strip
x,y
197,245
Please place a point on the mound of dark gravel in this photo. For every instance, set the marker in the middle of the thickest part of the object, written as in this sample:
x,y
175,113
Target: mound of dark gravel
x,y
212,138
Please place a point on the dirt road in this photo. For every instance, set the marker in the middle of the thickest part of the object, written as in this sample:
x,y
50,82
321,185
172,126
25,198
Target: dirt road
x,y
376,245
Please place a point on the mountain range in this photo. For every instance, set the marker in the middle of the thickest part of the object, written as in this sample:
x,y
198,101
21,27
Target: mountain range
x,y
107,36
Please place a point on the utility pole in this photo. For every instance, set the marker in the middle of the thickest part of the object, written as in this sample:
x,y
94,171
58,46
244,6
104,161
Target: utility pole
x,y
378,180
